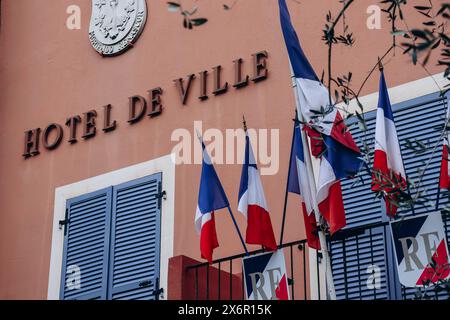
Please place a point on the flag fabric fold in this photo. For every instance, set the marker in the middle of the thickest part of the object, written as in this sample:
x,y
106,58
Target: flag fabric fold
x,y
211,197
388,175
338,162
299,184
444,179
313,96
252,203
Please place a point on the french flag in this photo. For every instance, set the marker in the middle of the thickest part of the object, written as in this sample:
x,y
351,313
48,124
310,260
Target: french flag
x,y
211,197
312,94
388,172
252,203
298,183
338,162
340,154
444,180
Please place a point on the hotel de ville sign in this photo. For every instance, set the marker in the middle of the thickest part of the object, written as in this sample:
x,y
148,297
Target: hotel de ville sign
x,y
116,25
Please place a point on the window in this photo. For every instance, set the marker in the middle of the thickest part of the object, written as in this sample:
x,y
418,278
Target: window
x,y
363,249
112,242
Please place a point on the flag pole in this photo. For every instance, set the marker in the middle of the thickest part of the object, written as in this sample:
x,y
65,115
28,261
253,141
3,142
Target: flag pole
x,y
322,237
287,184
445,142
438,196
200,139
238,231
381,68
244,124
313,188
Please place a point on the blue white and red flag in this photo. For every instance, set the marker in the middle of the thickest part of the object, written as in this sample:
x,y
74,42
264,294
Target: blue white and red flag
x,y
299,183
211,197
388,172
253,205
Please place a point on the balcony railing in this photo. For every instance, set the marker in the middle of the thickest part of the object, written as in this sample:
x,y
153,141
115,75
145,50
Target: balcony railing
x,y
220,281
357,256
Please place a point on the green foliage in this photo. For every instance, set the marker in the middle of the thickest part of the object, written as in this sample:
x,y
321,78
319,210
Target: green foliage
x,y
419,44
430,291
422,42
188,21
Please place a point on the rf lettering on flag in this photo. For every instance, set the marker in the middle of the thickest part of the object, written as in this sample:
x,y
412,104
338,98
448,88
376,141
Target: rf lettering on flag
x,y
421,250
265,276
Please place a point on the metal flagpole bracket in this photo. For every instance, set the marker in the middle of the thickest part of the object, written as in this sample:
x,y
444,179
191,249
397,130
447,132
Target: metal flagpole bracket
x,y
380,65
244,123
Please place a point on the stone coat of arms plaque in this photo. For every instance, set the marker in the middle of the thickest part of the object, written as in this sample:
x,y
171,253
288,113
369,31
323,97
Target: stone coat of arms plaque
x,y
116,25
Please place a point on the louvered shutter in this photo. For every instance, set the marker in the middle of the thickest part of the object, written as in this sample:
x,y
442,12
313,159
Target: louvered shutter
x,y
86,247
416,119
358,259
361,208
135,240
423,120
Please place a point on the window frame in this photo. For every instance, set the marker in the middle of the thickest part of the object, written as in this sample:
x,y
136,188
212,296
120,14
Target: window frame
x,y
163,165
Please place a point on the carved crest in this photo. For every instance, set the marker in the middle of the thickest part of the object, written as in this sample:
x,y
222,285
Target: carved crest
x,y
116,24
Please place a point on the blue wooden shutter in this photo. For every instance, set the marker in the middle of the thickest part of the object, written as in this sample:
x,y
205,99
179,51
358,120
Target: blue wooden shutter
x,y
135,239
430,114
356,258
86,246
415,119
